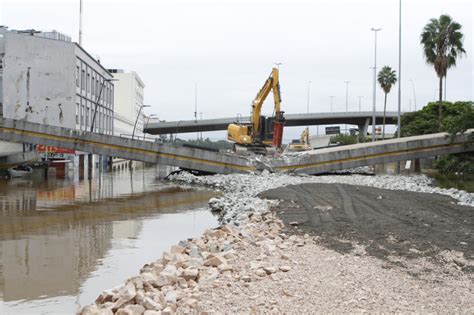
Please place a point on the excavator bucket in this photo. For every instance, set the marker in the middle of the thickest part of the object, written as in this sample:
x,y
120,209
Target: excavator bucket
x,y
277,133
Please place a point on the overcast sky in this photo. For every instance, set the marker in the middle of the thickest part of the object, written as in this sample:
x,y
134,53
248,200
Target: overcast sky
x,y
229,47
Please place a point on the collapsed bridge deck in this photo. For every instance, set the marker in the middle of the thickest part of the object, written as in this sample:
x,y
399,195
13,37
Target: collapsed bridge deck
x,y
310,162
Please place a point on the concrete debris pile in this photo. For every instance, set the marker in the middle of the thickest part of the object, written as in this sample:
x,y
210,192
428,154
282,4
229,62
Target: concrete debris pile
x,y
175,283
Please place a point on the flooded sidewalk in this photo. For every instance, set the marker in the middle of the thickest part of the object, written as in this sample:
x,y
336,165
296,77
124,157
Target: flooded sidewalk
x,y
63,241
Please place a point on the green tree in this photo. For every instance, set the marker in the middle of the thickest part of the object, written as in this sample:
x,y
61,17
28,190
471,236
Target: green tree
x,y
458,117
442,42
387,78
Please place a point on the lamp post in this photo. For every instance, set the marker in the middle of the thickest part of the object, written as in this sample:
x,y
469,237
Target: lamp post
x,y
97,100
375,30
307,99
360,97
399,72
414,94
136,120
332,97
347,94
200,115
147,121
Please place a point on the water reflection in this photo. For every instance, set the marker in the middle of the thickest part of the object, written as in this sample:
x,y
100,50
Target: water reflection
x,y
62,241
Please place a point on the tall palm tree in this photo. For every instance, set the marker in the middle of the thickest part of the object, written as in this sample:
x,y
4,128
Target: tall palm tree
x,y
442,42
386,77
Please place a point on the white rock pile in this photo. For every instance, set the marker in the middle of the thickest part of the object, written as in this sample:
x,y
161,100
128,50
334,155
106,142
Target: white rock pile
x,y
175,283
241,189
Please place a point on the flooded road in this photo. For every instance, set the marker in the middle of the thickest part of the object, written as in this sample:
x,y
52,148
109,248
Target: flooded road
x,y
62,241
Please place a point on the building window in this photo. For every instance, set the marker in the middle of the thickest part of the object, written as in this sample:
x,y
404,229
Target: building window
x,y
87,114
77,113
88,82
93,86
112,99
82,115
83,79
78,73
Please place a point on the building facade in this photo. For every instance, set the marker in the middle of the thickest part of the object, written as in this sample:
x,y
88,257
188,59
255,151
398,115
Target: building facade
x,y
47,79
50,80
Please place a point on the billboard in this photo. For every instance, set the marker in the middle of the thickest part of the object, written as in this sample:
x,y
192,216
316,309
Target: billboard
x,y
53,152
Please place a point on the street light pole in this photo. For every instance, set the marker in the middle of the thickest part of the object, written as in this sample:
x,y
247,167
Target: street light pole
x,y
360,97
307,99
399,70
200,115
97,100
332,97
80,23
375,30
414,95
347,94
136,120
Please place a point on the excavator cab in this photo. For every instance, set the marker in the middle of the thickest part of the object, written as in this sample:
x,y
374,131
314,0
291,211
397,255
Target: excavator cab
x,y
240,133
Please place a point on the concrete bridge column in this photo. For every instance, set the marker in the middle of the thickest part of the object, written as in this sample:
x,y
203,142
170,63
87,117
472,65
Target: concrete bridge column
x,y
363,129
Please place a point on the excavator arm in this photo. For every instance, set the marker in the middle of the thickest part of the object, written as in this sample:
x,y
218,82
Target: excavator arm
x,y
272,83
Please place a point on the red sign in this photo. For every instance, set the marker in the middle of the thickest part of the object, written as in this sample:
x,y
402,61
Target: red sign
x,y
43,149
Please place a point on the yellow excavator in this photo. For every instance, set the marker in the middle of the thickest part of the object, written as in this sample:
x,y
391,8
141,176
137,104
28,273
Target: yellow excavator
x,y
262,132
303,144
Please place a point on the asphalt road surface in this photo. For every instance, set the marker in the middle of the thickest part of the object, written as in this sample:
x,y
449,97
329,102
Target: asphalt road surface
x,y
386,222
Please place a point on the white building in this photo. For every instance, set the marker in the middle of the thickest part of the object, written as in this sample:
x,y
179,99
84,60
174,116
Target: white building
x,y
128,102
48,79
53,81
128,97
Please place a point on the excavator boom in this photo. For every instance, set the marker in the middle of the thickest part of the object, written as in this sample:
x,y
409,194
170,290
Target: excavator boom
x,y
272,83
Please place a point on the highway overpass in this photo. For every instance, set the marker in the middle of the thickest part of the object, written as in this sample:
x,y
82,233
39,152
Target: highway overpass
x,y
360,119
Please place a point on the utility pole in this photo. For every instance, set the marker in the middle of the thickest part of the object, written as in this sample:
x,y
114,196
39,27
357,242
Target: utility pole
x,y
80,23
347,94
399,125
375,30
332,97
399,70
200,114
414,95
196,104
307,100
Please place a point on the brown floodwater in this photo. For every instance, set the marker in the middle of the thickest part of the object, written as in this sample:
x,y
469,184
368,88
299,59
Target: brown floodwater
x,y
64,241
